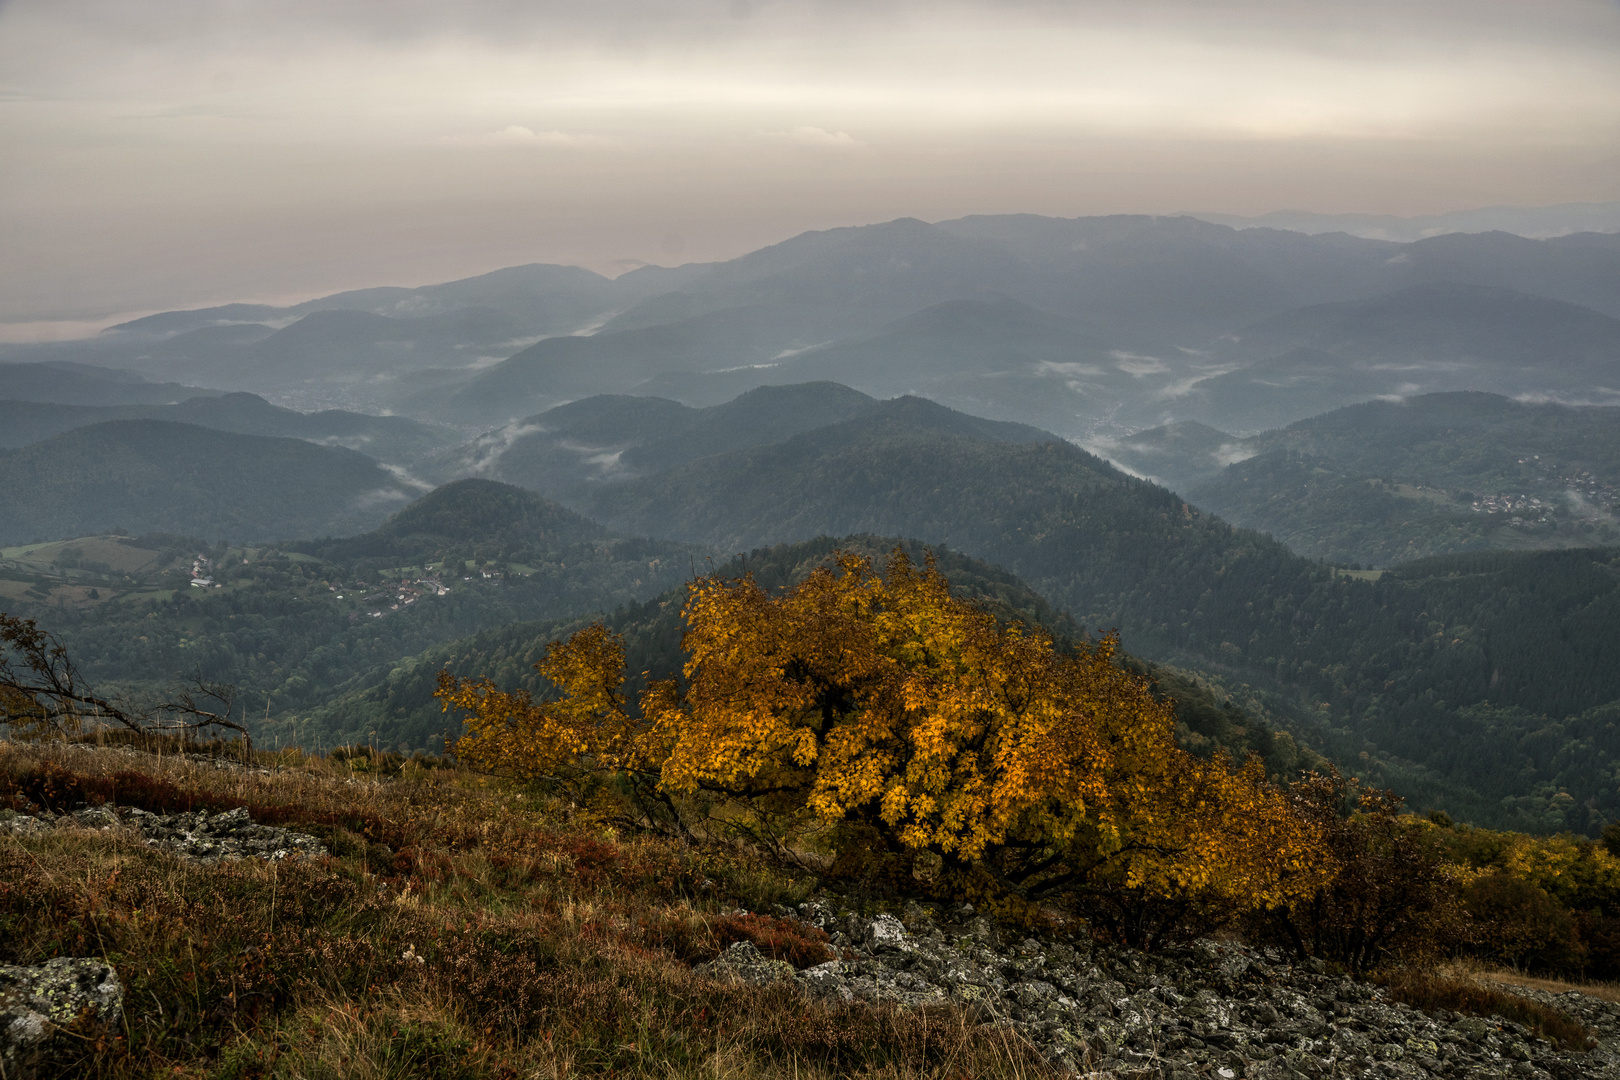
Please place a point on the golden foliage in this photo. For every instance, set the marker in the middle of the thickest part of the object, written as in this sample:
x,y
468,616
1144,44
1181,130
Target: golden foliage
x,y
587,729
884,701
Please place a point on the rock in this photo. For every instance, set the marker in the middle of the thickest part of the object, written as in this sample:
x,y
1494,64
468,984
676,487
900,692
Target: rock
x,y
195,836
886,933
231,835
1214,1009
36,1001
746,963
21,824
826,981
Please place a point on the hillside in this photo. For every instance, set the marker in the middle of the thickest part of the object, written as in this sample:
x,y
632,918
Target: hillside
x,y
405,917
63,382
1177,455
613,437
399,696
1383,482
291,623
394,439
158,476
1329,651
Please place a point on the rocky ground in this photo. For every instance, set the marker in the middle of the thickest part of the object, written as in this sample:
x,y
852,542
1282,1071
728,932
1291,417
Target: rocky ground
x,y
197,835
1216,1009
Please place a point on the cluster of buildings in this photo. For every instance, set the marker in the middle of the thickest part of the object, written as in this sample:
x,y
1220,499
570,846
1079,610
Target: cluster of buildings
x,y
405,592
202,570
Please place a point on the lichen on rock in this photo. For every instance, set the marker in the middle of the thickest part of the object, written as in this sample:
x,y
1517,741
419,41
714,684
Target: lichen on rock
x,y
36,1001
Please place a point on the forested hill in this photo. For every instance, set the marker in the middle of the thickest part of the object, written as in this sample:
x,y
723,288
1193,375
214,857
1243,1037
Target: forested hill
x,y
389,438
1387,666
614,437
140,476
1384,482
399,697
1112,550
482,521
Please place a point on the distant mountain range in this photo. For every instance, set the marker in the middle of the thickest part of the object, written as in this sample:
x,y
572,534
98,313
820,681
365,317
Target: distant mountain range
x,y
1537,222
1088,327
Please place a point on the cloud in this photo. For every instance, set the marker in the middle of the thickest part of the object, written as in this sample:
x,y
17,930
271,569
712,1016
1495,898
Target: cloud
x,y
486,450
822,139
1183,387
1232,453
517,135
168,153
404,476
1139,365
1046,367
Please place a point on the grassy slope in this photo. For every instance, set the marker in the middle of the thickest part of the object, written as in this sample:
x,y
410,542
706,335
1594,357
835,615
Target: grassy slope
x,y
463,930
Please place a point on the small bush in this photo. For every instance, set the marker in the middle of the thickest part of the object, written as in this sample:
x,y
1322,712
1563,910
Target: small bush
x,y
800,945
1520,924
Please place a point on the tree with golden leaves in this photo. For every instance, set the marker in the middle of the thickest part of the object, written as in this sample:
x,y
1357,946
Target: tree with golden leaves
x,y
882,711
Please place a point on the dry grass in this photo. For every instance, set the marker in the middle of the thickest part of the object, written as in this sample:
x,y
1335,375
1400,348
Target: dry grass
x,y
463,929
1461,993
1608,991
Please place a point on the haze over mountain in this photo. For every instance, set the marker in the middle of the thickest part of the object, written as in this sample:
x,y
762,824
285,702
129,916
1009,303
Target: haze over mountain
x,y
616,437
1535,222
69,383
1090,327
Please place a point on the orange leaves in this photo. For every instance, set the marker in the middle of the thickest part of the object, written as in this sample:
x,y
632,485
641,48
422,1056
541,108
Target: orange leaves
x,y
883,699
589,727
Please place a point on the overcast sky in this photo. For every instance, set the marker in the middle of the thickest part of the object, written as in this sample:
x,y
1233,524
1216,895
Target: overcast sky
x,y
162,153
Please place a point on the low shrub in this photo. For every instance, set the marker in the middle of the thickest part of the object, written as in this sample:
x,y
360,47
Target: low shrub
x,y
800,945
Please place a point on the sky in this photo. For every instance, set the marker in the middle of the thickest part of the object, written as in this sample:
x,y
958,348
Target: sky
x,y
171,153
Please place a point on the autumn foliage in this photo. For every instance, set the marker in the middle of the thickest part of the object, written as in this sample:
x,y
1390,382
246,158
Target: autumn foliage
x,y
878,717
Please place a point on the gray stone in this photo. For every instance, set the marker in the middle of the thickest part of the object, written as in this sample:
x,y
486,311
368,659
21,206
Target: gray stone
x,y
21,824
195,836
887,932
36,1001
1214,1006
746,963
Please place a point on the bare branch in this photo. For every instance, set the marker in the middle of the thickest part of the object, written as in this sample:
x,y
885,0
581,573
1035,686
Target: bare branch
x,y
42,694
